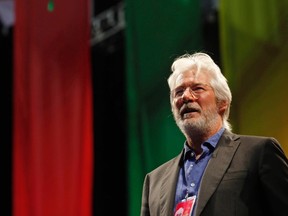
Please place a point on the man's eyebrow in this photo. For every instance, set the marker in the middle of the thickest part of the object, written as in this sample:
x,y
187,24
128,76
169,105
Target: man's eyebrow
x,y
200,83
194,84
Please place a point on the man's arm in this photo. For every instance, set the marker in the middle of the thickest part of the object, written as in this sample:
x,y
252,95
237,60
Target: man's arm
x,y
145,194
274,177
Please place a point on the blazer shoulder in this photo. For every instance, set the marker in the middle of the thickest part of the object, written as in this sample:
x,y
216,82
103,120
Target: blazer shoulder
x,y
257,142
249,141
250,138
258,139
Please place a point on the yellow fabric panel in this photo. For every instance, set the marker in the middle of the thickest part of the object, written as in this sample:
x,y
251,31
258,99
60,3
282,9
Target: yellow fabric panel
x,y
254,48
264,110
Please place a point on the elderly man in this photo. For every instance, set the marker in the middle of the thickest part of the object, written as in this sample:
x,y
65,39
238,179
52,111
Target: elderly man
x,y
217,173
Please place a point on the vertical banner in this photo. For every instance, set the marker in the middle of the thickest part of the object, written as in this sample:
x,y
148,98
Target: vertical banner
x,y
156,33
52,141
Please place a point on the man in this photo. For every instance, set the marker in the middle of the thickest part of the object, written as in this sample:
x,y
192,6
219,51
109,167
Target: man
x,y
218,173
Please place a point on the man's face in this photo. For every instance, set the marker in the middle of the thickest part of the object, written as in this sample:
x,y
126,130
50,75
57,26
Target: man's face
x,y
194,104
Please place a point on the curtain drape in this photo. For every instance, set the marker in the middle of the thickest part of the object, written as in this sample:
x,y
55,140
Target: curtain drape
x,y
52,132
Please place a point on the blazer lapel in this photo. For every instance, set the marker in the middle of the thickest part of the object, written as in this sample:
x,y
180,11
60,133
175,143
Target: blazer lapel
x,y
169,181
216,168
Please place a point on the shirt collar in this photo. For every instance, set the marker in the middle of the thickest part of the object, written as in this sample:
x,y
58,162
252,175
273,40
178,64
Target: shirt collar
x,y
211,142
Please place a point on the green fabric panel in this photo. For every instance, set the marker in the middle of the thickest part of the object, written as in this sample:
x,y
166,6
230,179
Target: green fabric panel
x,y
156,33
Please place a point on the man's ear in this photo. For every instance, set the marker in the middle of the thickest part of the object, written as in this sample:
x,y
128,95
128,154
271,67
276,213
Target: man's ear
x,y
222,107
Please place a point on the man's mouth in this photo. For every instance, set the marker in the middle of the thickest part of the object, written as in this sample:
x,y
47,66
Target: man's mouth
x,y
187,110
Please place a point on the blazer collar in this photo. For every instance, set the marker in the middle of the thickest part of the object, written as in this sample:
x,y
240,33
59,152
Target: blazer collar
x,y
217,166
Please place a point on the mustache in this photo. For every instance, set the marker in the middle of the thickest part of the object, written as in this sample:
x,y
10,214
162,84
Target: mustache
x,y
189,107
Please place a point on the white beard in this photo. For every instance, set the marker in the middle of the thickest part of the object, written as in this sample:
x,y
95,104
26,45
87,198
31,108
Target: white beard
x,y
200,126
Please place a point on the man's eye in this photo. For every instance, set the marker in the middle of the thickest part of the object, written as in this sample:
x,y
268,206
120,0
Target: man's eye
x,y
178,92
198,89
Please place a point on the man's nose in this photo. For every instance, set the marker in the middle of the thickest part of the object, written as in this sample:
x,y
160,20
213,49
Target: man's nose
x,y
189,95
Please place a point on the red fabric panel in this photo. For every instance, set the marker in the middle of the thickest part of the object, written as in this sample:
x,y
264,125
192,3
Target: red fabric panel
x,y
52,147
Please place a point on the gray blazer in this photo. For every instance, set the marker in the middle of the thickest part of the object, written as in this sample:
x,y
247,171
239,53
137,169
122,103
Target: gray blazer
x,y
246,175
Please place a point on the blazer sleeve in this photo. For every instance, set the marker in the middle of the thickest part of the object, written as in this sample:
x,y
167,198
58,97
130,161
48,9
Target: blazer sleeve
x,y
274,177
145,191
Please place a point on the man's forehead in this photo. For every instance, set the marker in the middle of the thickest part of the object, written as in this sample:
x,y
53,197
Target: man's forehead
x,y
190,77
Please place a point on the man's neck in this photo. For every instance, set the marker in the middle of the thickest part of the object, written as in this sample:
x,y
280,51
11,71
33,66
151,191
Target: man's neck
x,y
196,141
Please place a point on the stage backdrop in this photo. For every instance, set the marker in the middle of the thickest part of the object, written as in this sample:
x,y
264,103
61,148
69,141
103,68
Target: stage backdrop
x,y
254,40
156,33
52,151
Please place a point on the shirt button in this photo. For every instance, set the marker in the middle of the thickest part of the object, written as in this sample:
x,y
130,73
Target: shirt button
x,y
192,184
